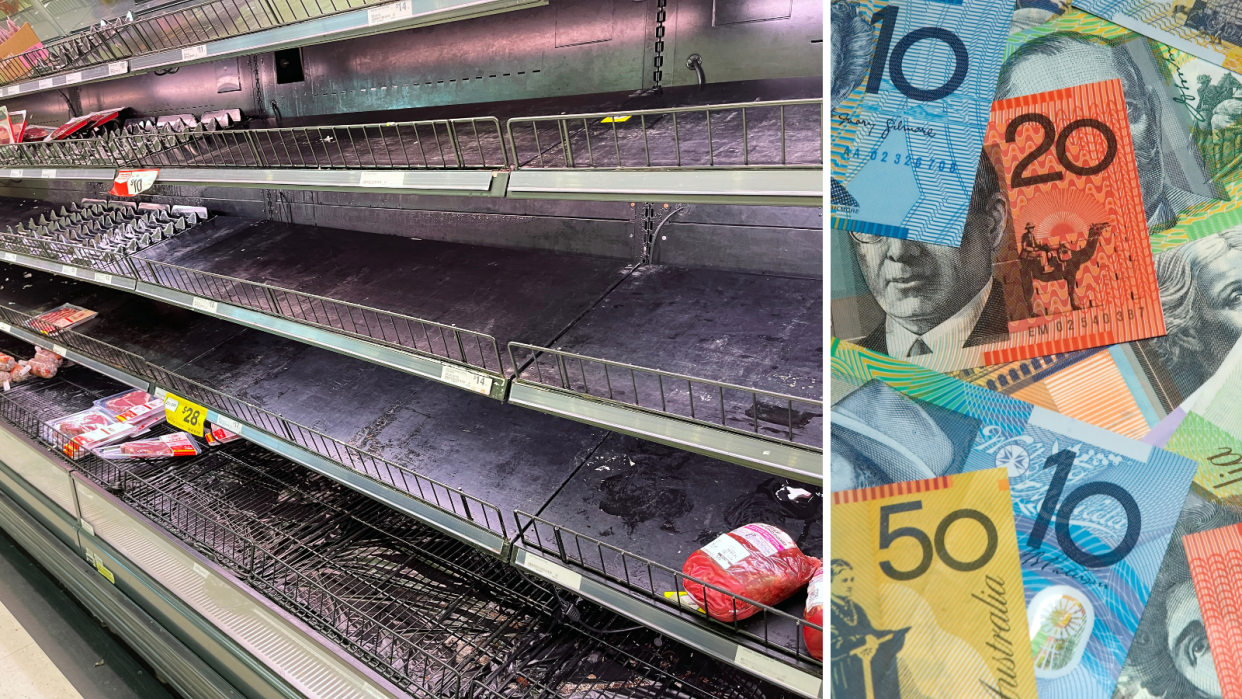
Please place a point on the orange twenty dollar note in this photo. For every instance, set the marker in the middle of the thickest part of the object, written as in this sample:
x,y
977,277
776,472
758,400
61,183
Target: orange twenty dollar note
x,y
1215,558
1075,267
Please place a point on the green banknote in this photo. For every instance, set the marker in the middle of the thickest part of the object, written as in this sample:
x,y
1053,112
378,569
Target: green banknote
x,y
1171,656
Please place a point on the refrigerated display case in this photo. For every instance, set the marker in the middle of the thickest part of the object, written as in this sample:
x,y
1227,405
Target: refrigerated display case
x,y
513,313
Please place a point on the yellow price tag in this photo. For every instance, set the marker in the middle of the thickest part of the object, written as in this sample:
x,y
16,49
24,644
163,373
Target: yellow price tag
x,y
617,119
99,566
185,414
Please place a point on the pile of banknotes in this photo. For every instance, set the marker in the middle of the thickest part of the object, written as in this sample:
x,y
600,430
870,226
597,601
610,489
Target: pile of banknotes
x,y
1036,374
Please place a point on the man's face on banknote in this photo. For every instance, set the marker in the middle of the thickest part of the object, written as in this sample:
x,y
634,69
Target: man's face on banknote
x,y
1066,60
921,285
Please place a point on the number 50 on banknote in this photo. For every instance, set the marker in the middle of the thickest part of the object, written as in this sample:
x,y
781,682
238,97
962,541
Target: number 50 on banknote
x,y
911,85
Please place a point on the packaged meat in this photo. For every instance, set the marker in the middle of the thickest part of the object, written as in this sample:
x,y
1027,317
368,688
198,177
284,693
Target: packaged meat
x,y
44,370
19,373
756,561
6,380
34,132
18,120
118,403
165,446
145,415
60,318
814,613
7,362
97,438
70,127
80,423
46,355
217,435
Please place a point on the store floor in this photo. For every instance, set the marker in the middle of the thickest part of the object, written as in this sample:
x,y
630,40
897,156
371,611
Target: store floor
x,y
52,648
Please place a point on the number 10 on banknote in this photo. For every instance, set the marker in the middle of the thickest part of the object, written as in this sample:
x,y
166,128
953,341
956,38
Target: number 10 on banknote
x,y
912,82
1077,270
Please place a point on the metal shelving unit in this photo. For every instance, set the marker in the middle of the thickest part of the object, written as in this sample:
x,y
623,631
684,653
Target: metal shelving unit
x,y
220,29
426,614
748,153
545,548
449,509
756,428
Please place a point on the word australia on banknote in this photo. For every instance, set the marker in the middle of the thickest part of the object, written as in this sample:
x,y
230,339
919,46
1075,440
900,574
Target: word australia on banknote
x,y
911,85
1055,256
1093,510
910,619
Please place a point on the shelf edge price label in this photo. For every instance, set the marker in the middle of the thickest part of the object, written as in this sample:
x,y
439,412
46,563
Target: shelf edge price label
x,y
204,304
389,13
45,83
468,380
103,278
553,571
193,52
5,327
10,257
47,174
229,424
118,68
73,78
381,179
69,270
185,414
129,183
17,174
60,350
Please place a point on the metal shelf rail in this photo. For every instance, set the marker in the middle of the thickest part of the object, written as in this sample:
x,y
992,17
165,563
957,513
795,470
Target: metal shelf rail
x,y
757,151
662,588
402,342
467,517
296,442
752,153
220,28
749,426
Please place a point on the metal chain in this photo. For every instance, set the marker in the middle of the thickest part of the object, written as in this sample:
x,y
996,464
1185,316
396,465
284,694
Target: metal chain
x,y
658,74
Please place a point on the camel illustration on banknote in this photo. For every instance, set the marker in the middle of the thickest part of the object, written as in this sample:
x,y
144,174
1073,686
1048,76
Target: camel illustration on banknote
x,y
1039,261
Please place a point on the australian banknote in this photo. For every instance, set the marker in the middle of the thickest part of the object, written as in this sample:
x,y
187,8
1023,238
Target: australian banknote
x,y
1171,655
1190,162
911,86
1207,29
1093,510
927,591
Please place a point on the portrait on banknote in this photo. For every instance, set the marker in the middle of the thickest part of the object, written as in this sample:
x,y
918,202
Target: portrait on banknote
x,y
1170,656
851,43
880,436
860,652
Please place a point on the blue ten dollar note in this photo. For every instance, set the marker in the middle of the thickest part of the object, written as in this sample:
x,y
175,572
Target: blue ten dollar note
x,y
1094,511
911,91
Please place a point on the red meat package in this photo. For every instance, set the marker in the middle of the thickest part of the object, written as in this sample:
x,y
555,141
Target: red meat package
x,y
169,445
60,318
81,423
118,403
97,438
217,435
46,355
815,614
756,561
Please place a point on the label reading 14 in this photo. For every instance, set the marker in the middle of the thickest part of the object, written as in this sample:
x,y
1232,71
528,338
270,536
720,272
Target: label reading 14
x,y
185,414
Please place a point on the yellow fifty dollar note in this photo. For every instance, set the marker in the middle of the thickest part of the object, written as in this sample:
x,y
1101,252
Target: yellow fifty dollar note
x,y
927,591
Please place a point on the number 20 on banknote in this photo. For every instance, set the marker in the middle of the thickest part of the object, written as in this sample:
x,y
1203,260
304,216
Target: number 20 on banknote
x,y
911,85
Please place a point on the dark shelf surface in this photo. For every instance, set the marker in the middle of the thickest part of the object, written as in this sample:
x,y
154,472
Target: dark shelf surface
x,y
507,455
662,504
522,295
